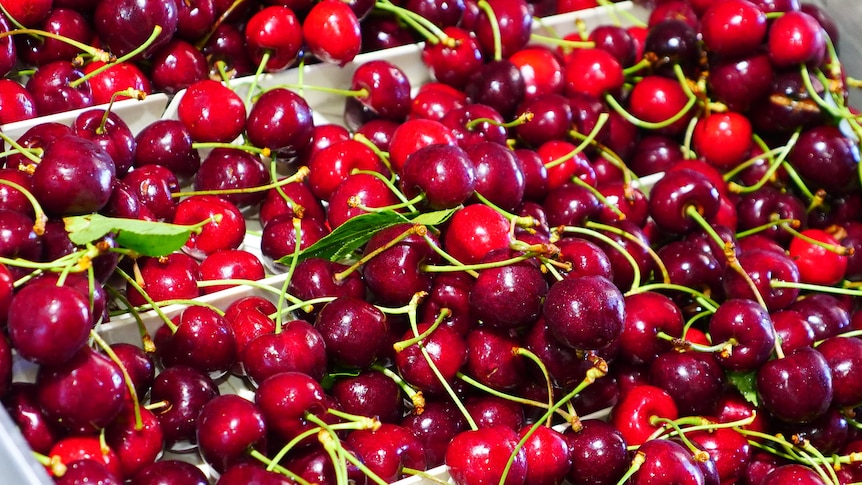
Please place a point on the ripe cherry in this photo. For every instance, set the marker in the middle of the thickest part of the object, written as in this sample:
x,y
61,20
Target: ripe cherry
x,y
816,261
211,112
331,31
273,36
480,456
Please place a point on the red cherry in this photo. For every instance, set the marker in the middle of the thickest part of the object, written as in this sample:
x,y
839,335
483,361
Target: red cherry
x,y
474,231
331,31
212,112
733,27
633,413
795,38
817,264
274,32
723,139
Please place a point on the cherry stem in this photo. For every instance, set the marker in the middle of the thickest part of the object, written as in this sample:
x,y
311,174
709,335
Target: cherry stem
x,y
636,272
765,227
40,219
389,184
354,202
815,198
30,154
519,120
665,276
649,125
568,44
680,344
411,317
300,175
180,301
673,426
382,155
129,92
416,397
614,8
834,248
710,304
792,451
152,304
355,93
448,257
599,369
637,463
515,220
773,166
610,156
146,340
486,8
97,54
517,399
403,344
53,463
834,111
218,22
600,122
430,268
636,67
621,216
417,229
273,466
264,59
157,30
266,152
130,385
332,445
423,26
523,352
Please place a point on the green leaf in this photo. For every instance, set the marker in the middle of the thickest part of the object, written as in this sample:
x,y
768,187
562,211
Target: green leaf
x,y
746,384
433,218
148,238
349,237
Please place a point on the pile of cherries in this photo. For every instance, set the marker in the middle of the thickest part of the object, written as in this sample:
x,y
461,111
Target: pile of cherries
x,y
624,256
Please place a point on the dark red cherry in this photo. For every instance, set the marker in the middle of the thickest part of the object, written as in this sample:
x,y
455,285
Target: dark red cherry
x,y
124,25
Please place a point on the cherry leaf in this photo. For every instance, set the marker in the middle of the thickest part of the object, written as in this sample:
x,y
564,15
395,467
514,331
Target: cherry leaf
x,y
147,238
746,384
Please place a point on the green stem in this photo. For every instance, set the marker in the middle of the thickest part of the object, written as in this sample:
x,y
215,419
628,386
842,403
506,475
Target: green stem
x,y
486,8
157,30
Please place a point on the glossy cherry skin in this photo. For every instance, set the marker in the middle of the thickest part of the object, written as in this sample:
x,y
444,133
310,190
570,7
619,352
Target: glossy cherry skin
x,y
169,472
182,391
111,133
16,102
370,393
446,349
356,193
232,169
842,354
285,398
825,158
816,263
387,450
138,364
167,143
444,173
83,395
329,166
154,184
573,301
71,449
89,182
453,65
695,382
796,38
280,120
228,427
51,90
21,402
135,448
275,32
354,331
473,231
598,452
174,276
749,324
508,297
211,112
632,414
763,266
657,99
124,25
203,339
479,456
176,66
678,191
493,360
298,347
497,84
87,471
332,32
548,455
515,22
669,461
787,401
498,175
279,238
414,134
298,200
387,89
226,264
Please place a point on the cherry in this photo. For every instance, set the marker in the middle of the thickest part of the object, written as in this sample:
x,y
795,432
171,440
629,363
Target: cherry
x,y
667,460
21,402
53,92
180,392
64,22
273,37
387,450
825,158
49,324
435,427
298,347
211,112
83,395
841,355
8,51
453,64
541,70
498,175
563,163
228,427
598,451
514,21
279,237
691,268
332,32
633,414
444,173
226,264
177,65
354,331
672,42
125,25
110,132
474,123
154,184
370,393
676,193
138,364
315,465
227,44
733,28
793,330
551,119
788,104
795,37
573,302
280,120
202,339
508,297
694,381
316,278
356,193
285,399
329,166
723,139
480,456
169,144
387,89
166,278
85,447
657,99
793,472
169,472
232,169
749,325
763,266
447,351
16,102
817,264
384,31
788,402
297,199
493,358
119,76
824,313
450,291
739,82
414,134
135,448
195,18
548,455
87,471
497,84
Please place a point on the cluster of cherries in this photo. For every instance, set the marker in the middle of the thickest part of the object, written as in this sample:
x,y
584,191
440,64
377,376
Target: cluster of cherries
x,y
475,271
